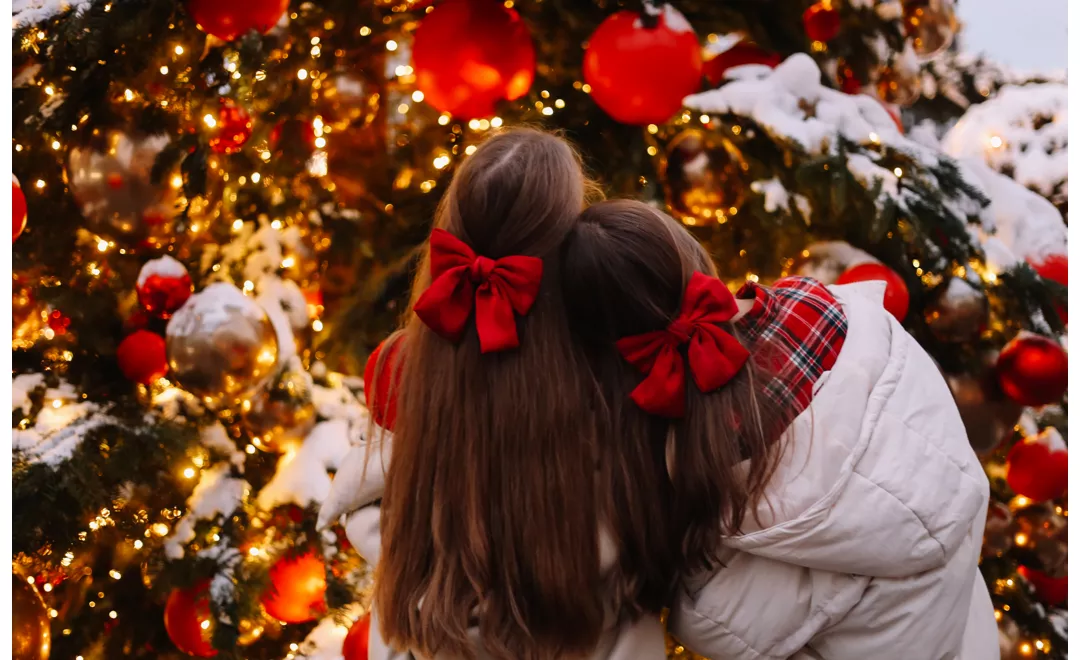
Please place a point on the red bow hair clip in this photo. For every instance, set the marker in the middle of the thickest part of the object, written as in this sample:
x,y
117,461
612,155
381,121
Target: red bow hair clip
x,y
462,280
713,355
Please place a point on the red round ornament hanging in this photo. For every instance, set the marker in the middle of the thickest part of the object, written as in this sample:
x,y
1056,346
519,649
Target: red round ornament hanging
x,y
228,19
141,357
1038,466
163,286
189,622
231,129
18,209
59,322
356,642
1033,370
821,21
738,55
297,587
381,402
1051,590
471,54
896,291
1055,268
641,66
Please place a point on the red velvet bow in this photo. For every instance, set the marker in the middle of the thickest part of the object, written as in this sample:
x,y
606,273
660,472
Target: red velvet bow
x,y
498,288
714,355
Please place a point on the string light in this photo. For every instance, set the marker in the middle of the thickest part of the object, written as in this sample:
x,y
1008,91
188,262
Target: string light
x,y
391,45
179,50
898,172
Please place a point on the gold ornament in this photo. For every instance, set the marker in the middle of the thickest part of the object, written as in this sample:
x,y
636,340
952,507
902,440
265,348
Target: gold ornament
x,y
959,313
31,638
221,345
1044,532
111,182
702,176
250,631
283,414
931,25
897,85
988,415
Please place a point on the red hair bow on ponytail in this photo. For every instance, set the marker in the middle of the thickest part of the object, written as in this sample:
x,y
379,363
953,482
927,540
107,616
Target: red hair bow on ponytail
x,y
460,280
713,355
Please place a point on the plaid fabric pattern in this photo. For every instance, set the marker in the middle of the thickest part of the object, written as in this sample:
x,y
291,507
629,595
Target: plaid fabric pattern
x,y
795,330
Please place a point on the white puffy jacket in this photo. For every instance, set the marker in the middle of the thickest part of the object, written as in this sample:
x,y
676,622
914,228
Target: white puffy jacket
x,y
869,537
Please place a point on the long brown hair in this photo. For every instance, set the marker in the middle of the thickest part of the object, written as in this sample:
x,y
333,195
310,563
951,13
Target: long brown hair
x,y
489,516
625,270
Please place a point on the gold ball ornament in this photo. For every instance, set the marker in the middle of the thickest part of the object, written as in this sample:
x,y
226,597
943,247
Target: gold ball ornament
x,y
898,85
31,638
284,413
989,417
959,313
702,176
221,345
111,181
931,25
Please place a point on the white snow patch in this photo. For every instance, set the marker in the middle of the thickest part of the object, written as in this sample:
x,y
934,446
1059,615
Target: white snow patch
x,y
21,387
217,494
326,640
164,266
216,439
303,474
775,194
32,12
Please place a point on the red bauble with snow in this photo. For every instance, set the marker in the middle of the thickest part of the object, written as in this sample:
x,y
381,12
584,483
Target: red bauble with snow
x,y
1051,590
356,642
1056,269
18,209
1038,466
229,19
471,54
189,621
640,66
381,401
163,286
821,21
896,291
141,357
297,589
1033,370
740,54
231,129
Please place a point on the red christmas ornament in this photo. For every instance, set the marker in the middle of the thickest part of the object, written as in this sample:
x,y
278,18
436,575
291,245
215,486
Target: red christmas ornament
x,y
821,21
380,402
849,82
640,67
471,54
189,622
231,129
1051,590
356,642
738,55
293,138
1033,370
1055,268
896,291
297,587
228,19
163,286
1038,466
18,209
59,322
141,357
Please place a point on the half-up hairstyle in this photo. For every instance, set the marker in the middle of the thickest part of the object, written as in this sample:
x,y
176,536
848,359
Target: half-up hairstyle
x,y
489,516
626,267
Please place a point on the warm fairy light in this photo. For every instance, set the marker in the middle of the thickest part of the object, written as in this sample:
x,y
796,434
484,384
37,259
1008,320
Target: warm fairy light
x,y
53,613
705,119
1021,538
365,31
874,137
209,120
496,122
56,144
403,108
277,224
112,614
1039,644
391,45
316,51
998,615
164,70
176,181
653,129
547,111
250,449
317,325
320,142
161,529
651,150
39,184
46,587
587,88
444,119
179,50
57,403
1025,649
996,142
736,129
237,224
49,90
189,473
898,172
205,624
288,262
114,574
915,263
302,74
254,552
128,95
138,544
752,277
470,150
249,286
441,162
255,177
102,245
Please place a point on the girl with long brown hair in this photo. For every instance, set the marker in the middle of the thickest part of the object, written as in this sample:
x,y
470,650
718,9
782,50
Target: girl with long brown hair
x,y
825,502
497,532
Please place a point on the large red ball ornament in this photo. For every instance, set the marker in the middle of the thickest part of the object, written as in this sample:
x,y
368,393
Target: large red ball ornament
x,y
641,67
231,129
228,19
163,286
18,209
738,55
821,21
1055,268
896,291
1051,590
189,622
1038,466
381,402
471,54
297,587
141,357
356,642
1033,370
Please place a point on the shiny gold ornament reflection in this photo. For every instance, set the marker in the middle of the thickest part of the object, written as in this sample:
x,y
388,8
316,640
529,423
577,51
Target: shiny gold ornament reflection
x,y
897,85
112,183
702,177
31,638
284,413
931,25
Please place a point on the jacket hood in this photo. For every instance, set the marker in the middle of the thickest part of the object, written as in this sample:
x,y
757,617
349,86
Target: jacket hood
x,y
876,476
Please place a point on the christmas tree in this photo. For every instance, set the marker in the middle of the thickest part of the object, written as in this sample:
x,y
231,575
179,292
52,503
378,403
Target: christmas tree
x,y
237,189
